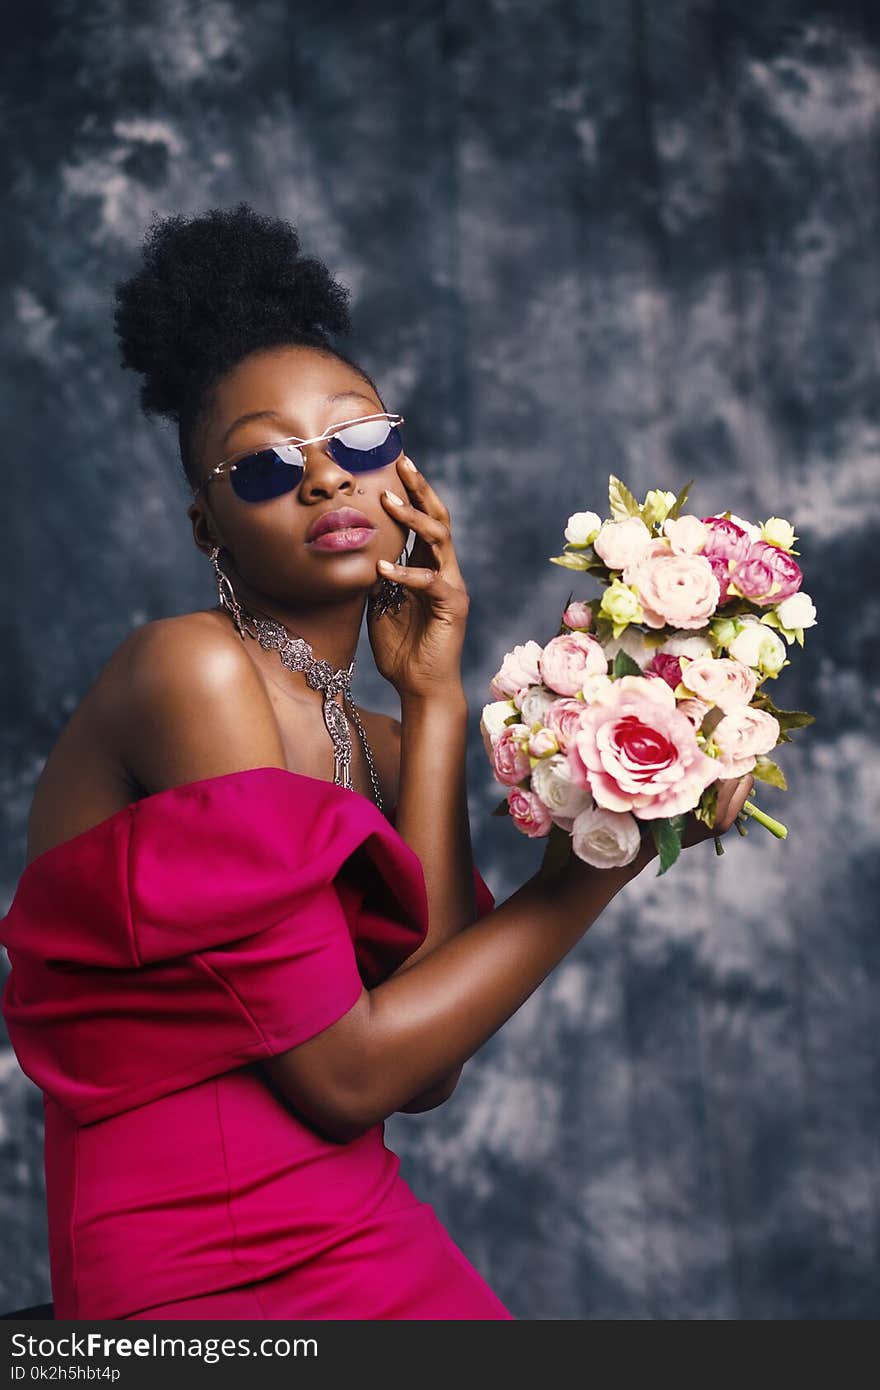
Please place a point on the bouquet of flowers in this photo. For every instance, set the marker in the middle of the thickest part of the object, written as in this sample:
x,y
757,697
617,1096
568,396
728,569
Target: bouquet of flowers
x,y
651,694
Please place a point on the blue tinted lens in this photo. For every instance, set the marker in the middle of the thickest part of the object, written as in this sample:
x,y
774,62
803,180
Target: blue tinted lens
x,y
362,460
260,476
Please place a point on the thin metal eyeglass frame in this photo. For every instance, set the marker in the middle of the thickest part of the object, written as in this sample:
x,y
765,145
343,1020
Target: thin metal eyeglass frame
x,y
231,461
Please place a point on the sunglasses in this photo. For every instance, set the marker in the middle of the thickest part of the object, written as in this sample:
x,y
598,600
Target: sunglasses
x,y
360,445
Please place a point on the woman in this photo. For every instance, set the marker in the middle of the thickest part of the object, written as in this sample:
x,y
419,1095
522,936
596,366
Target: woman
x,y
228,965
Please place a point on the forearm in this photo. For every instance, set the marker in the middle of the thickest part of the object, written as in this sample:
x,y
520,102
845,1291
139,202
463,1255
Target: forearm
x,y
432,812
429,1020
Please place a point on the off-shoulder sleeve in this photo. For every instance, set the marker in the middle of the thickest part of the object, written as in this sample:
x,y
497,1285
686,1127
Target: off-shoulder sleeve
x,y
213,925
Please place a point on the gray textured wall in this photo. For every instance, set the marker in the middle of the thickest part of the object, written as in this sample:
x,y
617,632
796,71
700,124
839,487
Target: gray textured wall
x,y
582,237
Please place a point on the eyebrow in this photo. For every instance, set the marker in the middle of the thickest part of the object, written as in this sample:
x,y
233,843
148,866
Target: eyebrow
x,y
273,414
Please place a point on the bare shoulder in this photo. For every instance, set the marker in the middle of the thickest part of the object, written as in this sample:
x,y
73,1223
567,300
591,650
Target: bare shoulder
x,y
182,700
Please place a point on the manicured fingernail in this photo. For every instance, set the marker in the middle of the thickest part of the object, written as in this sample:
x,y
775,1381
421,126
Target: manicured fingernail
x,y
408,463
393,497
385,565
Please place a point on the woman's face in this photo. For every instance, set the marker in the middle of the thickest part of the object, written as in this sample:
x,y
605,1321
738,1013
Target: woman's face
x,y
267,541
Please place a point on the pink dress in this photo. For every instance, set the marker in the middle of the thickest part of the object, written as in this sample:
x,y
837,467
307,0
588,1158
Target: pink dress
x,y
156,959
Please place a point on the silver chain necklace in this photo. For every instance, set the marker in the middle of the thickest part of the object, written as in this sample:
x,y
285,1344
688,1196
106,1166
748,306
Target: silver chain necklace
x,y
297,655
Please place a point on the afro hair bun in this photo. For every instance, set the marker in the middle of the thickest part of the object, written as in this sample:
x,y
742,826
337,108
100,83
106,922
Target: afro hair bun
x,y
212,288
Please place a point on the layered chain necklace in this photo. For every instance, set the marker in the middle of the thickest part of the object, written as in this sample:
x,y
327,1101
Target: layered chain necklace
x,y
297,655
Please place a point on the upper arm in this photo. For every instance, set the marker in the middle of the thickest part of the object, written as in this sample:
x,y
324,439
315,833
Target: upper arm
x,y
193,706
188,704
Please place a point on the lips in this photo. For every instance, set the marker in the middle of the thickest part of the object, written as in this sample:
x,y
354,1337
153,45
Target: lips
x,y
342,519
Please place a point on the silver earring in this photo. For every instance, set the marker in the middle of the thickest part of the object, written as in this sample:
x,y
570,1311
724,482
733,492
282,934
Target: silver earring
x,y
227,593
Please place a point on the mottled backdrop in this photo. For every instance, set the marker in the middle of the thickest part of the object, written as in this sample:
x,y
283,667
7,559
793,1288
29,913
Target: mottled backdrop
x,y
582,237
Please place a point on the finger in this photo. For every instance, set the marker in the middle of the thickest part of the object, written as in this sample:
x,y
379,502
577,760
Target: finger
x,y
432,530
736,792
437,584
420,491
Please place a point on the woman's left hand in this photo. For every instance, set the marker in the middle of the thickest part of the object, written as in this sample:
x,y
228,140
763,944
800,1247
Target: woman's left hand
x,y
418,649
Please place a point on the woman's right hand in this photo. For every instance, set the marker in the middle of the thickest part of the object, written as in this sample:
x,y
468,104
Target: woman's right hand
x,y
732,792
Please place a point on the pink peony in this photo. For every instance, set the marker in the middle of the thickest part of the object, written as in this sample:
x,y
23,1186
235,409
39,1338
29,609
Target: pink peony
x,y
741,736
669,667
578,615
721,680
528,812
566,659
678,590
563,718
726,539
509,760
519,669
639,753
619,543
767,574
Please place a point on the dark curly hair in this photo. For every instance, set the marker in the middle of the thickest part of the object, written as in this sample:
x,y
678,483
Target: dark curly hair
x,y
213,288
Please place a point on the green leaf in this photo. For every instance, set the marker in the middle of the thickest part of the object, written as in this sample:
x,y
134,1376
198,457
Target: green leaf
x,y
624,665
502,809
667,832
767,771
788,718
706,808
622,502
680,500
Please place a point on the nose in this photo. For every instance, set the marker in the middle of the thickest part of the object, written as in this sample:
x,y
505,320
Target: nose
x,y
321,471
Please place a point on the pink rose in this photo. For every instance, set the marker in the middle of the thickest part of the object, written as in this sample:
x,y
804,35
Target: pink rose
x,y
563,718
741,736
639,753
578,615
519,669
678,590
619,543
669,667
566,659
510,760
528,812
767,574
721,680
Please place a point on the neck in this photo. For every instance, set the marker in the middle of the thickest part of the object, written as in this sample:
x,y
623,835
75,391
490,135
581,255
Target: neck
x,y
331,629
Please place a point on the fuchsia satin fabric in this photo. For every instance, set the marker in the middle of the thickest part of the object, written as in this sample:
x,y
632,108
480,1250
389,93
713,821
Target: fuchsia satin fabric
x,y
156,958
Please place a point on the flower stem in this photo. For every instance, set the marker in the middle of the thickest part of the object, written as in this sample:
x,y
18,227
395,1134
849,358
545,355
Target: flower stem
x,y
774,826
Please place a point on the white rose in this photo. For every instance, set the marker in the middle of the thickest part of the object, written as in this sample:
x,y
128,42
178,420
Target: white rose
x,y
492,721
759,646
797,611
633,643
551,782
694,647
582,527
536,700
605,839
